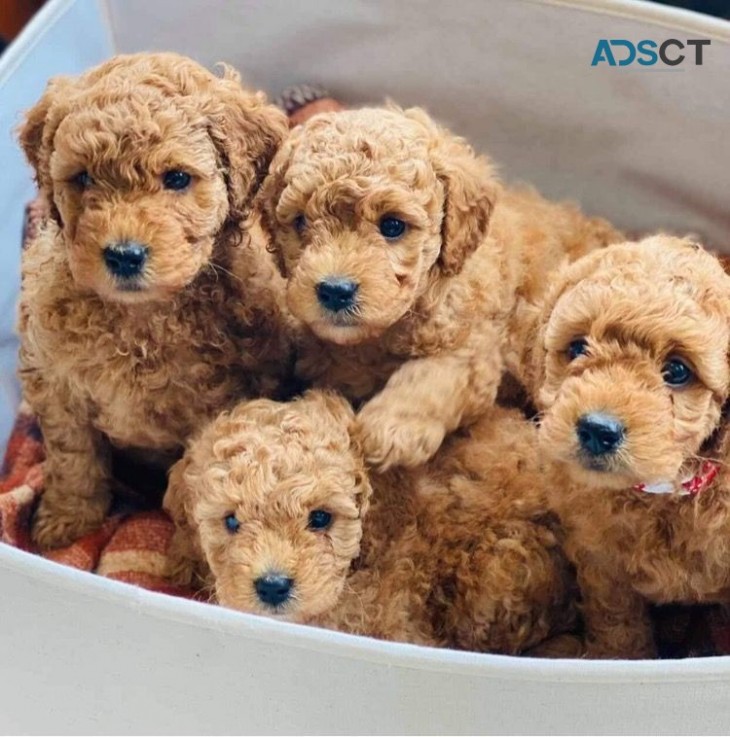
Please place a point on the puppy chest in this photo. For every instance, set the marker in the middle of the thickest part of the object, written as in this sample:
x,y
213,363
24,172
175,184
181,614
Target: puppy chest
x,y
359,373
158,400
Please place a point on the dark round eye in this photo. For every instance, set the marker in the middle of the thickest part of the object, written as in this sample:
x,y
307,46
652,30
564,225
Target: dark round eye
x,y
231,523
82,179
319,519
299,223
577,347
676,373
392,228
176,179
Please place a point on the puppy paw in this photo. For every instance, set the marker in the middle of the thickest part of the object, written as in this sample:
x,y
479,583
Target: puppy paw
x,y
612,651
560,646
55,527
400,439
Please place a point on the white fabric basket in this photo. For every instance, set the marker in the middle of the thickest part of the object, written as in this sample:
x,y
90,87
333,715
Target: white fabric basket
x,y
81,654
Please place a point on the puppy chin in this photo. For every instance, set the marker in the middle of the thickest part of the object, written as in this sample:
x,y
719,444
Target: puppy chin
x,y
135,294
343,335
591,475
132,292
347,330
614,472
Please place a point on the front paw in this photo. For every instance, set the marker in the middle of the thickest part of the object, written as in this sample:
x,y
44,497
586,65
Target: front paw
x,y
623,649
560,646
56,526
398,438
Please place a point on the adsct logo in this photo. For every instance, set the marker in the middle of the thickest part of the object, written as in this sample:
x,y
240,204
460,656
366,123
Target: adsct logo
x,y
618,52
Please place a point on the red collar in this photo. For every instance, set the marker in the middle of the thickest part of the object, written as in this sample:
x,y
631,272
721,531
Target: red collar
x,y
692,486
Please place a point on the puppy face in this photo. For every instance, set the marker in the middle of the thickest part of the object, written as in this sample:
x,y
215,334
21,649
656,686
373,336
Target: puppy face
x,y
275,493
143,161
633,359
366,207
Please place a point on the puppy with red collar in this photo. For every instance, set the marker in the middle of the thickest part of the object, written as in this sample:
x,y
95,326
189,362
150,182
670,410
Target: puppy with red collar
x,y
629,368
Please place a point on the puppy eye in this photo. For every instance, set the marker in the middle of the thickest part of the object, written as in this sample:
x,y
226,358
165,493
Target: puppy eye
x,y
176,180
392,228
82,179
676,373
232,524
319,519
299,223
578,347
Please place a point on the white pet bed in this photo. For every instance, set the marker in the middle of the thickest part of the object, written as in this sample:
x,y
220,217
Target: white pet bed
x,y
647,147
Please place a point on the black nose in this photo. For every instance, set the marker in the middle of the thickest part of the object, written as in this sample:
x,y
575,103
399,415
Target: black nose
x,y
273,589
126,259
599,434
336,293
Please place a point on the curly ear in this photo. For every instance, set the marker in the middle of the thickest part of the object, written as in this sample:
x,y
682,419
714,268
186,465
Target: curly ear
x,y
36,132
470,192
177,496
526,359
363,489
268,198
246,131
470,187
527,351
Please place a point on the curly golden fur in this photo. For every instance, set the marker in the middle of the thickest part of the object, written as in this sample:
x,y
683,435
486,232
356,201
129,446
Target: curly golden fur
x,y
640,308
142,362
459,554
422,344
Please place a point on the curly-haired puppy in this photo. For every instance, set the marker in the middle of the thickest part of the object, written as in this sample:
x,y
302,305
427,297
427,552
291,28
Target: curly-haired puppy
x,y
630,369
146,305
403,271
271,499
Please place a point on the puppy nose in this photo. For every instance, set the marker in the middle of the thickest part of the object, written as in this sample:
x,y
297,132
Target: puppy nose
x,y
273,589
125,259
336,293
599,434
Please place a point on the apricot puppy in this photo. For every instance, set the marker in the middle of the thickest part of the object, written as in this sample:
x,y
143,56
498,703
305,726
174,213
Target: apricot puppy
x,y
147,305
271,505
404,266
630,369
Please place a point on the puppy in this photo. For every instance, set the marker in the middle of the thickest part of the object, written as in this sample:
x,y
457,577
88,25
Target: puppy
x,y
148,302
271,505
629,367
404,266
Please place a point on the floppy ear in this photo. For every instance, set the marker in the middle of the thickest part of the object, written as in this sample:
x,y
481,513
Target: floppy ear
x,y
177,496
246,131
187,564
528,360
36,132
470,192
531,324
268,198
363,489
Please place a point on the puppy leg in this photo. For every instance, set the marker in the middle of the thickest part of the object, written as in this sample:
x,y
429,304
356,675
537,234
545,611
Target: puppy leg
x,y
427,398
508,594
77,475
616,617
